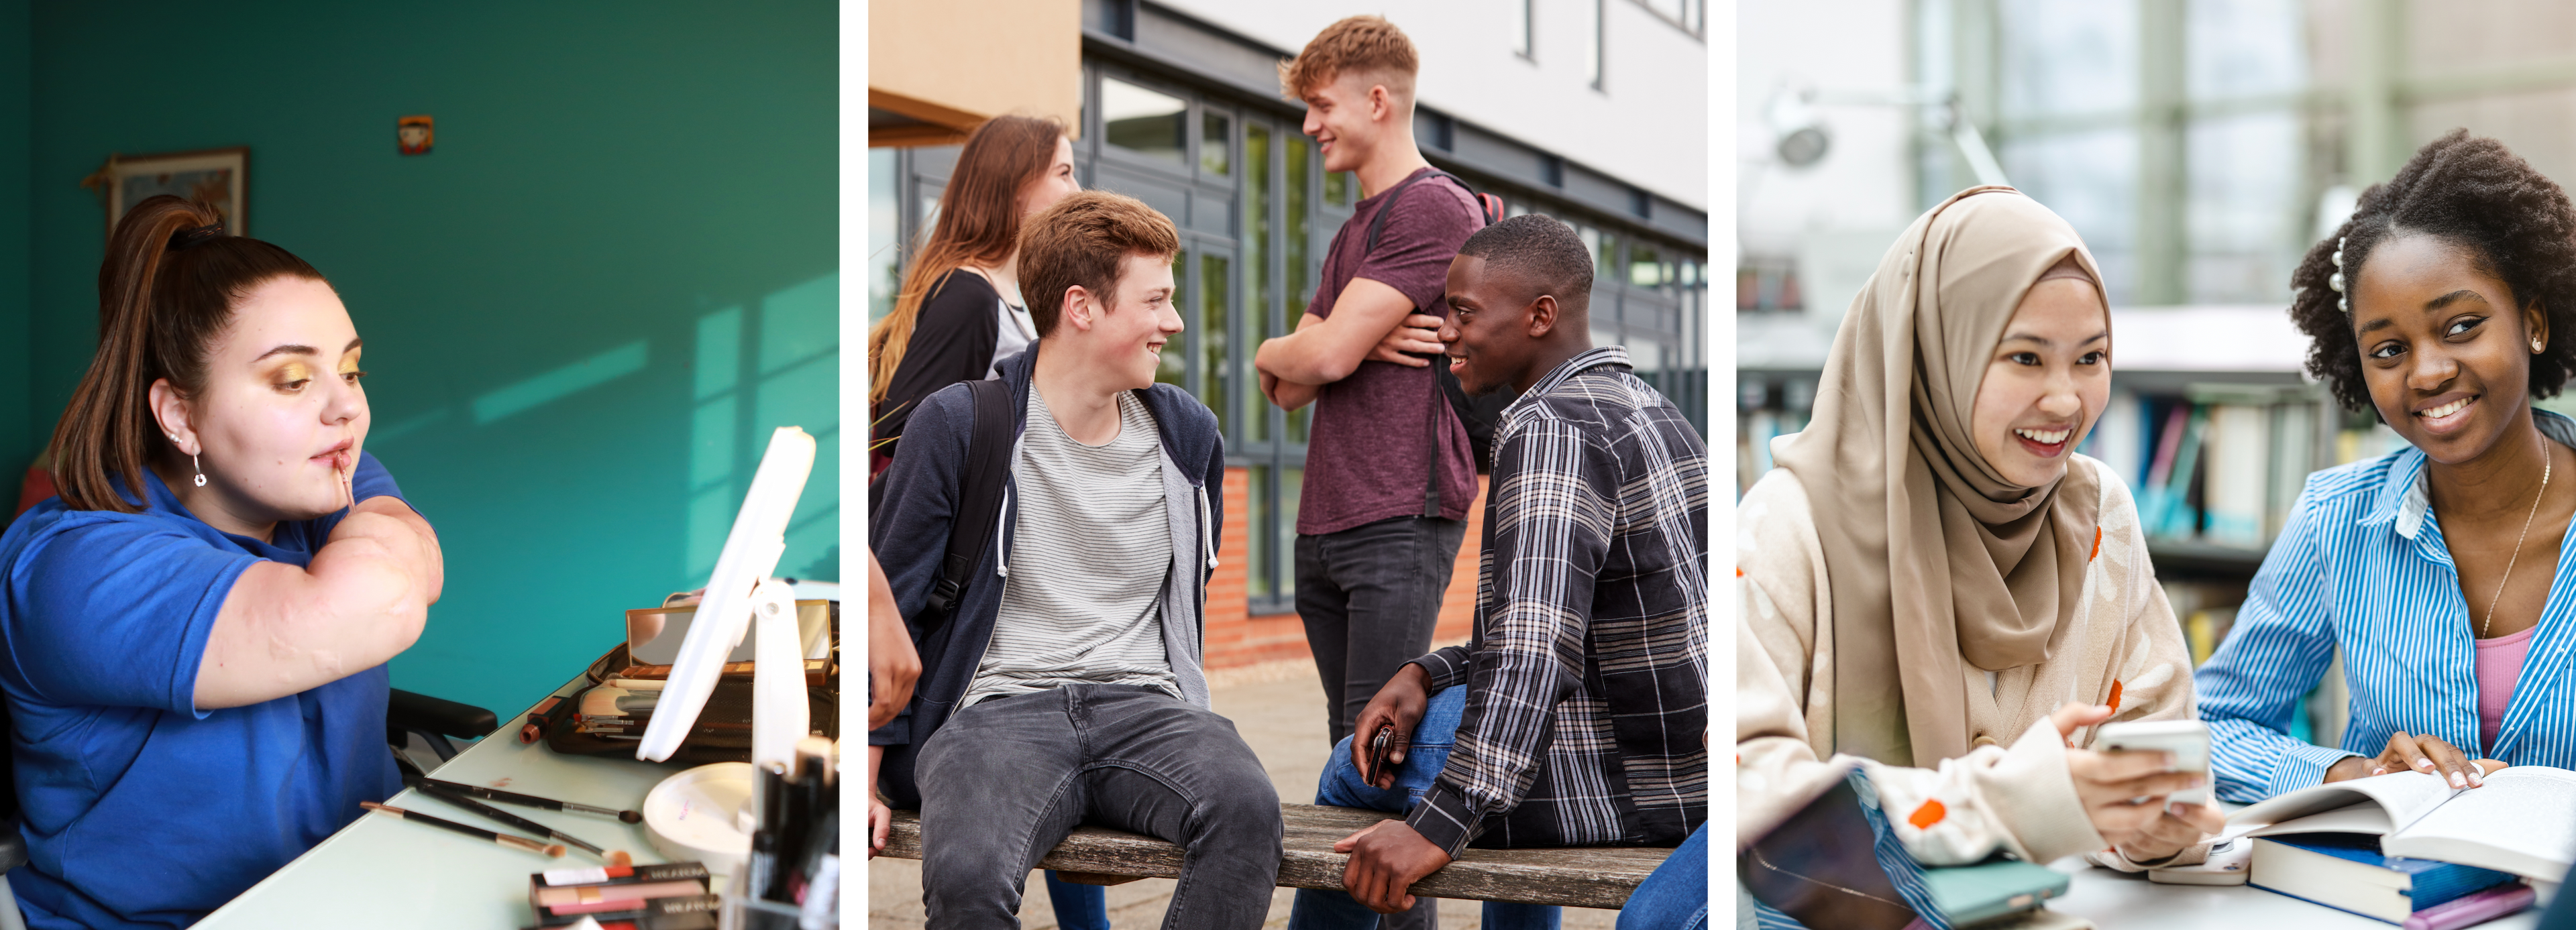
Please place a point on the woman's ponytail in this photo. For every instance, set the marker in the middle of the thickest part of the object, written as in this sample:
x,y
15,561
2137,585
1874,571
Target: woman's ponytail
x,y
165,291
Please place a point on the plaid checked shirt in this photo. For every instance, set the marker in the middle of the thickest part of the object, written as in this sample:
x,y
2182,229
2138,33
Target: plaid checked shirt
x,y
1587,677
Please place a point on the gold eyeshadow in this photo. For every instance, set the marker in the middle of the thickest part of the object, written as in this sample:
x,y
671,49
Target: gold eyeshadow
x,y
292,372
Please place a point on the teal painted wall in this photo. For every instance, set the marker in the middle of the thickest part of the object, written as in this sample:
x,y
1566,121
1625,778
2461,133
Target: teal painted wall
x,y
584,309
17,445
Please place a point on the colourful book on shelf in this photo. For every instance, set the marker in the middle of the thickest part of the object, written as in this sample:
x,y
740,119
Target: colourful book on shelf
x,y
2153,500
2180,520
2238,444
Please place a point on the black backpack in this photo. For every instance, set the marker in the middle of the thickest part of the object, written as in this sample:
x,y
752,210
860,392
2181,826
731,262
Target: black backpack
x,y
979,498
1478,414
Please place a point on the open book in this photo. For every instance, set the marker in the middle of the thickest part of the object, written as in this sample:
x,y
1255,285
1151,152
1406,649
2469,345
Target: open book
x,y
2522,821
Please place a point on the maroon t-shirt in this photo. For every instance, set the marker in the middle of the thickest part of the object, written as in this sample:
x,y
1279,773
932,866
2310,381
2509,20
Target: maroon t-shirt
x,y
1368,456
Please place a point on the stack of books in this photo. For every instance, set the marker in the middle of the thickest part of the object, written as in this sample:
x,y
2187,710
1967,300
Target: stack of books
x,y
2395,847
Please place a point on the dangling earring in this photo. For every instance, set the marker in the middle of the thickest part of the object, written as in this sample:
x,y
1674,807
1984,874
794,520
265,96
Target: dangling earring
x,y
201,469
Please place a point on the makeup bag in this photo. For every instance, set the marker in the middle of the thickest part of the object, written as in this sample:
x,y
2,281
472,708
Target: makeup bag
x,y
723,729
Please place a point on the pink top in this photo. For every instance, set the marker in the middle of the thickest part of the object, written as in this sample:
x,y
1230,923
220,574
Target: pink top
x,y
2499,665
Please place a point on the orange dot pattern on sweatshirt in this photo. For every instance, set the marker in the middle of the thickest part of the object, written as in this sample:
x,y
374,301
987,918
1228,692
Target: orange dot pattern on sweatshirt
x,y
1930,813
2097,545
2115,695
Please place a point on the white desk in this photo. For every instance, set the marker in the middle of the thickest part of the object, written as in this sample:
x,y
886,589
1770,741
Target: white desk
x,y
383,873
2118,901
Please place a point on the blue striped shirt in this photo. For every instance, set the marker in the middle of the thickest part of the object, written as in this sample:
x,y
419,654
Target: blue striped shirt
x,y
2362,565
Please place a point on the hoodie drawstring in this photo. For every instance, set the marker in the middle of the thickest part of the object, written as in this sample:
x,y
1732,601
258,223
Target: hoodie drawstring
x,y
1001,554
1206,534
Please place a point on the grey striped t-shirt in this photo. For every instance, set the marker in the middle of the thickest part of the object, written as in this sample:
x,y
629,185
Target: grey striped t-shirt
x,y
1089,555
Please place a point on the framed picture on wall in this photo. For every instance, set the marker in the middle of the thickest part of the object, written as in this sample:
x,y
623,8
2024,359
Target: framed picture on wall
x,y
217,176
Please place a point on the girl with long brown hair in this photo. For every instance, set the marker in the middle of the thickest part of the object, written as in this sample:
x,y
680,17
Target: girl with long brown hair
x,y
959,311
193,634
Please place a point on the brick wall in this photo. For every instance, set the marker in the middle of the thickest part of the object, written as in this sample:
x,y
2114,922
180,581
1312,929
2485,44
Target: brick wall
x,y
1235,638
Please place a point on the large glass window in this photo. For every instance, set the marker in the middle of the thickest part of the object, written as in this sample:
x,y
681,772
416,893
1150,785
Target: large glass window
x,y
1216,144
885,232
1299,236
1143,121
1256,260
1216,297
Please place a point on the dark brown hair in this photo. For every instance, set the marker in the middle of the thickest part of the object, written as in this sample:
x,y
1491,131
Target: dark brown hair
x,y
1367,44
979,221
2514,222
1082,240
166,290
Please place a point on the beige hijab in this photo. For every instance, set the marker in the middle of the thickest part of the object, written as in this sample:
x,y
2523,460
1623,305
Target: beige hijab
x,y
1938,567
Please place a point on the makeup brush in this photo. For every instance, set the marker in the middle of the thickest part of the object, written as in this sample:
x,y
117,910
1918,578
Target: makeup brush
x,y
530,800
619,857
518,842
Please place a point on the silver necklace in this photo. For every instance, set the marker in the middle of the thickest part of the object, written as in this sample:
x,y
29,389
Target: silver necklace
x,y
2546,461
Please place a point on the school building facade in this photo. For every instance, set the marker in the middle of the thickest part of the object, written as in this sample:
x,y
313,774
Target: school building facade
x,y
1172,107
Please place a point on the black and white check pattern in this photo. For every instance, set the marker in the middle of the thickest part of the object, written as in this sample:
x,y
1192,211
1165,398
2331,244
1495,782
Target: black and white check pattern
x,y
1587,676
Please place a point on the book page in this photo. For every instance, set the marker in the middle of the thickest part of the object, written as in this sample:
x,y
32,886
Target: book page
x,y
2368,819
2406,796
2522,821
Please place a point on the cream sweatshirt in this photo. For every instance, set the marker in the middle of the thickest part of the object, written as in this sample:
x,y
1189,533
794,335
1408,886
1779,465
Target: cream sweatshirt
x,y
2012,790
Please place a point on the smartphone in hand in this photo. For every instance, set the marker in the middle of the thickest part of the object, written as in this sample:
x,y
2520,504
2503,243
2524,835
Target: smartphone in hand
x,y
2188,740
1379,746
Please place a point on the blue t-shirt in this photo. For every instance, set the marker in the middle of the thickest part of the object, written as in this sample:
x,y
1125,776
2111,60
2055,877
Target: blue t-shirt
x,y
141,810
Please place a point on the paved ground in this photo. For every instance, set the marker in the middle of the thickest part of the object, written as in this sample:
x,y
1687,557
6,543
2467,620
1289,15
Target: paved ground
x,y
1279,708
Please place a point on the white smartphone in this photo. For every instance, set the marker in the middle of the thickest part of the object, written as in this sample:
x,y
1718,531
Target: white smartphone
x,y
2188,740
2228,864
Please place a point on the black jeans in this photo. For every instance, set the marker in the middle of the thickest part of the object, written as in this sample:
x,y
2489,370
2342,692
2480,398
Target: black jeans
x,y
1006,779
1370,596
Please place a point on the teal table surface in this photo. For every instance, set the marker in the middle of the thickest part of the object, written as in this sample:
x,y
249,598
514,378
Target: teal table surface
x,y
380,872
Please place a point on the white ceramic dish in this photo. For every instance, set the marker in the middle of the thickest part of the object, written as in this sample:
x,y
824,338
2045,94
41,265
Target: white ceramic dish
x,y
696,816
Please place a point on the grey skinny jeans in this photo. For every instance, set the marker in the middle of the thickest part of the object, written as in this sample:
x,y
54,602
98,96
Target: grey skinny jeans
x,y
1370,598
1003,781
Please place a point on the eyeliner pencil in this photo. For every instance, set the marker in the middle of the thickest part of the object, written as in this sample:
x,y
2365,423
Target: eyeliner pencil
x,y
522,823
530,800
516,842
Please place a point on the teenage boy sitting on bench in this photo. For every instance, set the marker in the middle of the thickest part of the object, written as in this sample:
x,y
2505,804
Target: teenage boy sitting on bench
x,y
1064,688
1576,714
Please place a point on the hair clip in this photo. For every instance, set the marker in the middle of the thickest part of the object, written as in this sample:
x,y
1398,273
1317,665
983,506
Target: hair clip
x,y
2343,299
188,237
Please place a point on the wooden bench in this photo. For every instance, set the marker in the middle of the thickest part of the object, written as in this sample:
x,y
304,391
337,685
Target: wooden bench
x,y
1592,876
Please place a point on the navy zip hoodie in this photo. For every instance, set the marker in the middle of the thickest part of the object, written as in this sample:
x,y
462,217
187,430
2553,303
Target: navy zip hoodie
x,y
909,530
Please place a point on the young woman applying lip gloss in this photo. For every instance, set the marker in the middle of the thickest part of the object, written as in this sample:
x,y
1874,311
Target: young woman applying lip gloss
x,y
2444,306
193,635
1936,589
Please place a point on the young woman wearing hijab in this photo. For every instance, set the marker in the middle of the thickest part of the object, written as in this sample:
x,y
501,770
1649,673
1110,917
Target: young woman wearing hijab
x,y
1936,591
2440,306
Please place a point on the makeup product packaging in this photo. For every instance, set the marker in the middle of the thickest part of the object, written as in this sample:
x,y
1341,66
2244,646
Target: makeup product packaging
x,y
626,893
617,875
693,912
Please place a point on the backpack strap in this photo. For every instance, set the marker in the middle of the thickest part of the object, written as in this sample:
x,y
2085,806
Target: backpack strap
x,y
1488,209
979,496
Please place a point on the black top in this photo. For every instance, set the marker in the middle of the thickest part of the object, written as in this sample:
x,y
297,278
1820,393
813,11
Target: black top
x,y
952,341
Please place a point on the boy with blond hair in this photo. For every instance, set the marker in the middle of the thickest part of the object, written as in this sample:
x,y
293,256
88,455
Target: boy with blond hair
x,y
1389,475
